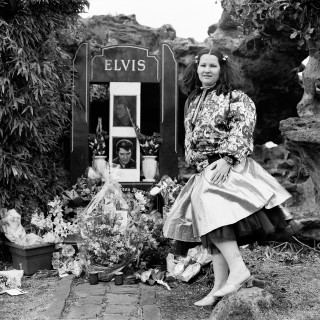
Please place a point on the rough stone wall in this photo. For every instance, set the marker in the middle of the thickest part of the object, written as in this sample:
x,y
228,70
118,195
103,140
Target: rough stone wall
x,y
270,72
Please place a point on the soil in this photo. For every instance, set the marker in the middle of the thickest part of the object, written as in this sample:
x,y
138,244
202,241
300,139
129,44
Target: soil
x,y
40,289
290,271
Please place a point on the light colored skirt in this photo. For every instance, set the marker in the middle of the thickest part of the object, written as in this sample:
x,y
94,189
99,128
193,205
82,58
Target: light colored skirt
x,y
202,206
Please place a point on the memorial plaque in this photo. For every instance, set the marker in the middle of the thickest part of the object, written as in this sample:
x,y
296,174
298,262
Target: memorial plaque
x,y
125,64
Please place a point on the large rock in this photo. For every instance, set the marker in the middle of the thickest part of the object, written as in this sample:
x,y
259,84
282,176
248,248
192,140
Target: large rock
x,y
107,30
247,304
287,169
270,71
303,137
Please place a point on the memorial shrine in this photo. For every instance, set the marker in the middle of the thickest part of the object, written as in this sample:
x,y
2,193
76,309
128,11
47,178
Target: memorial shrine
x,y
122,89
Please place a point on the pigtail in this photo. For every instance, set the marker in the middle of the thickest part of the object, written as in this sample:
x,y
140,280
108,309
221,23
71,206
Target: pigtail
x,y
190,78
231,77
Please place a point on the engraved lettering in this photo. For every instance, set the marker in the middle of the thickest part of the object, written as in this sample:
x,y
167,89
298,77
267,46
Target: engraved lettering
x,y
116,68
107,65
141,65
125,66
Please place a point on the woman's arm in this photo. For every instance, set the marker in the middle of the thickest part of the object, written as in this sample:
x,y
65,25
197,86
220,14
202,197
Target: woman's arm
x,y
241,122
239,142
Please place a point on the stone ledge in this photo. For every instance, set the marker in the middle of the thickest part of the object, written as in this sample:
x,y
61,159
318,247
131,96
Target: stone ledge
x,y
57,305
151,312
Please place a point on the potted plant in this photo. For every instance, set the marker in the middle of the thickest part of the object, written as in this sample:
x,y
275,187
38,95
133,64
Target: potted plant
x,y
44,233
149,146
31,258
97,143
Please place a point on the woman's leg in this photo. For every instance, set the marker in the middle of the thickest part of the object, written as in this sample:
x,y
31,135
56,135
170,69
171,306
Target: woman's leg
x,y
221,271
239,272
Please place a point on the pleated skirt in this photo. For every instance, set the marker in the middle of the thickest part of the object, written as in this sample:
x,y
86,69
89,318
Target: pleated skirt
x,y
245,208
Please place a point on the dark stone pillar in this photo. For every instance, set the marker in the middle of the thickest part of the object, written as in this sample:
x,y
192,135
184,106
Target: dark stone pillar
x,y
80,114
168,157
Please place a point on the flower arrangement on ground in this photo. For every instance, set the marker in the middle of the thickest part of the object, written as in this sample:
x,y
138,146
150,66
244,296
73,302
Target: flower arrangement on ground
x,y
119,227
55,226
98,141
169,190
149,144
67,261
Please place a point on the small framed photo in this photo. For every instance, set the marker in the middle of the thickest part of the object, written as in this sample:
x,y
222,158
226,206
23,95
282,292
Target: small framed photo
x,y
125,156
124,152
120,114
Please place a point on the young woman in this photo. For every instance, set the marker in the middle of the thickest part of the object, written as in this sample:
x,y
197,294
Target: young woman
x,y
232,201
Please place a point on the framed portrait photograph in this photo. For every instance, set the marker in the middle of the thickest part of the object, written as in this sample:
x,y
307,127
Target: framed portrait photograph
x,y
120,114
125,156
123,96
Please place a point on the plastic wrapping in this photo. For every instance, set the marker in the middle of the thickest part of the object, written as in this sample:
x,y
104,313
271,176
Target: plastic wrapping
x,y
13,278
14,231
191,271
12,228
187,267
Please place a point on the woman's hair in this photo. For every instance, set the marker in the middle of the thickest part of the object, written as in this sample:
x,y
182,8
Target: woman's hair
x,y
229,78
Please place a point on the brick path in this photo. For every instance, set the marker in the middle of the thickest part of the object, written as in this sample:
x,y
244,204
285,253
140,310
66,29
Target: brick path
x,y
105,301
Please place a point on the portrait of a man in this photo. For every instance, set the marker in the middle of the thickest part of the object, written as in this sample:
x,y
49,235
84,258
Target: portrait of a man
x,y
120,114
125,152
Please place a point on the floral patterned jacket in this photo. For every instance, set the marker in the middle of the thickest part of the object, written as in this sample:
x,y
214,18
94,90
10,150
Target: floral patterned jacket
x,y
219,125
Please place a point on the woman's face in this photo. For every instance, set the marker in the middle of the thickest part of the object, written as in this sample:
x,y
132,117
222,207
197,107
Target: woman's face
x,y
208,69
121,111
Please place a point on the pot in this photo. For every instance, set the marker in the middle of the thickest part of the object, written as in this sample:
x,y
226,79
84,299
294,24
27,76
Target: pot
x,y
32,258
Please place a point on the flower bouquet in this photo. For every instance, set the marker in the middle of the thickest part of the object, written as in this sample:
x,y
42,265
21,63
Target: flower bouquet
x,y
169,190
97,141
119,229
67,261
148,144
54,227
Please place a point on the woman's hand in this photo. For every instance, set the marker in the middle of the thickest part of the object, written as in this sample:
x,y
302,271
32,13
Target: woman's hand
x,y
217,172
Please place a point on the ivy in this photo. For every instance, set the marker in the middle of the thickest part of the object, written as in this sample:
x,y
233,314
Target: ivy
x,y
35,101
300,19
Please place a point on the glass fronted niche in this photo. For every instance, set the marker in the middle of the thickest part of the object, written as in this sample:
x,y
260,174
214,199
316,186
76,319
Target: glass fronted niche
x,y
110,102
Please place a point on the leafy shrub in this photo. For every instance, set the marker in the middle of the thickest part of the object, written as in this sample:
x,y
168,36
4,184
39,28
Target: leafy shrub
x,y
35,101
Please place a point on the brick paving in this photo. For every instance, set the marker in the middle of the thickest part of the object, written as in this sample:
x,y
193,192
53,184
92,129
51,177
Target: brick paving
x,y
105,301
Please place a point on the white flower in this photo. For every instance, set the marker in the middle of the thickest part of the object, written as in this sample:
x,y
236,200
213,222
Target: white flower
x,y
56,264
140,197
68,251
77,269
155,190
38,220
92,174
48,222
50,238
56,255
